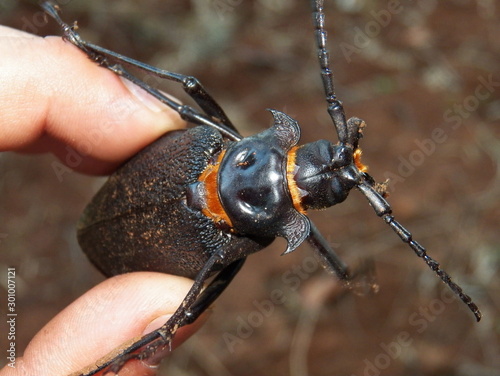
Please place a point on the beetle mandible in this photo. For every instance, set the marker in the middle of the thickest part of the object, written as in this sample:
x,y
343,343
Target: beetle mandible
x,y
197,202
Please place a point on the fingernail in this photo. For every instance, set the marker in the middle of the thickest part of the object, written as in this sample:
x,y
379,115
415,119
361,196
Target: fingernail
x,y
144,97
156,324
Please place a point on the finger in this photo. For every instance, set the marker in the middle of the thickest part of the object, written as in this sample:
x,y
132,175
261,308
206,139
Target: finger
x,y
53,98
117,310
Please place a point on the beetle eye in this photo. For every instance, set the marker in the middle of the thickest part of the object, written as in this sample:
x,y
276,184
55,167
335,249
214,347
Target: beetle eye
x,y
245,159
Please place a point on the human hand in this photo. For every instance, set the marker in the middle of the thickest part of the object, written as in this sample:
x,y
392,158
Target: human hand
x,y
53,98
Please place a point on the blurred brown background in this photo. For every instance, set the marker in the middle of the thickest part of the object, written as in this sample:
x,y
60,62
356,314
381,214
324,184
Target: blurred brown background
x,y
407,68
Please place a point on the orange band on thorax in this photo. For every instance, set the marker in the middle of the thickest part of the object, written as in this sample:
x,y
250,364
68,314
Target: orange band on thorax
x,y
213,206
292,184
357,160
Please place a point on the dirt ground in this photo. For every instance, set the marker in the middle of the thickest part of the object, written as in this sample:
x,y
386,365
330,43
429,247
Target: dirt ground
x,y
425,77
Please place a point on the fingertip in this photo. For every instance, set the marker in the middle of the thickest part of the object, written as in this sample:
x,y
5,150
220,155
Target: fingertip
x,y
111,314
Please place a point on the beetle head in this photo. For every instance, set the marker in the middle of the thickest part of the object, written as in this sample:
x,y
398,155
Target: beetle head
x,y
325,173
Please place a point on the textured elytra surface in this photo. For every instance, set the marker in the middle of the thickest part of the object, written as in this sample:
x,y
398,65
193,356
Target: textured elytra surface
x,y
139,219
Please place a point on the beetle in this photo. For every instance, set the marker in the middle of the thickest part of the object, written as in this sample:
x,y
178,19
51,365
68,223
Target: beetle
x,y
197,202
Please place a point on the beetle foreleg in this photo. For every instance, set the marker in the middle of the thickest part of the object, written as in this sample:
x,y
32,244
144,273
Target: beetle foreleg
x,y
213,115
320,245
361,280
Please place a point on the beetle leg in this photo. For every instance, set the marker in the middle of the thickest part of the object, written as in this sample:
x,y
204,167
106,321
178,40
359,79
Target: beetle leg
x,y
213,115
191,308
186,112
204,301
190,84
213,290
320,245
361,281
194,304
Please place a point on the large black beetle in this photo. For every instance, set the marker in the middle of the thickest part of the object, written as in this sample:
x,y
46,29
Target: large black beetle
x,y
197,202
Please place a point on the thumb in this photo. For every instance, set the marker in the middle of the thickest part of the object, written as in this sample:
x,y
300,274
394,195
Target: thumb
x,y
114,312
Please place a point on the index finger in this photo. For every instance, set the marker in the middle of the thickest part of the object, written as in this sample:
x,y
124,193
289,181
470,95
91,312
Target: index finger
x,y
53,98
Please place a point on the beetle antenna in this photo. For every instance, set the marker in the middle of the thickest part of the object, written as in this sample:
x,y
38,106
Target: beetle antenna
x,y
335,107
384,211
379,204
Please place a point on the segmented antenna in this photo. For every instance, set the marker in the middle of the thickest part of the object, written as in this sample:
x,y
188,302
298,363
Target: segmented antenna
x,y
384,211
379,204
335,108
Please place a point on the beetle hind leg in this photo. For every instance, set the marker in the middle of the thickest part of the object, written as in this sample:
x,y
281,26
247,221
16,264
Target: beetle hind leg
x,y
150,347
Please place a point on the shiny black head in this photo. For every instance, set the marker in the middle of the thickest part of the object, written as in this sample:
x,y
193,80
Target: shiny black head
x,y
325,174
